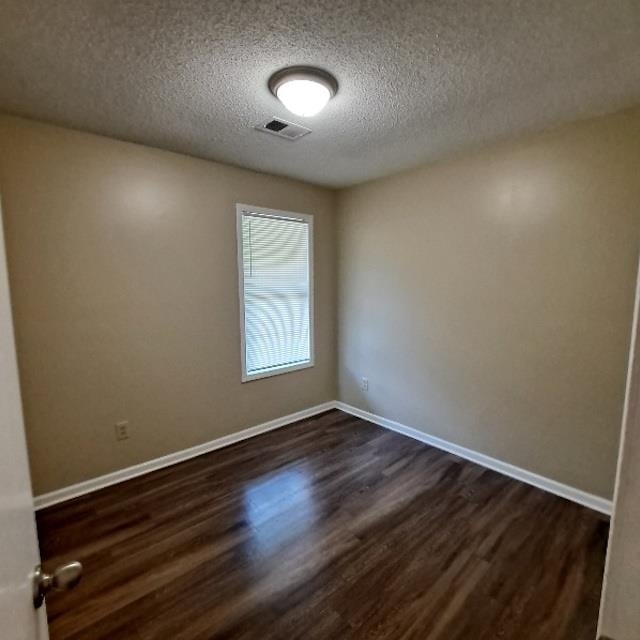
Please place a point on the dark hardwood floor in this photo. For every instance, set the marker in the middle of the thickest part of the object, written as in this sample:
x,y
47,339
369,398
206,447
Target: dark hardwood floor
x,y
331,528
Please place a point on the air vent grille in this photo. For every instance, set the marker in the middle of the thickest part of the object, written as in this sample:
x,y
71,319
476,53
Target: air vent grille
x,y
283,129
275,125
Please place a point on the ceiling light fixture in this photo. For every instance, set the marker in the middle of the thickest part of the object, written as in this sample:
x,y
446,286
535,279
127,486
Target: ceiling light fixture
x,y
304,91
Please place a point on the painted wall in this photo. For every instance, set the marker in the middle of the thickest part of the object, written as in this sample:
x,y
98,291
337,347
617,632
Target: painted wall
x,y
488,299
123,271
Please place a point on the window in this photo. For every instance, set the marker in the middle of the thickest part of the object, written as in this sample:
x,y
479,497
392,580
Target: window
x,y
275,263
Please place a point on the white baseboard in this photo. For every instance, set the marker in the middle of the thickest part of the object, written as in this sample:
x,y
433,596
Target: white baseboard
x,y
570,493
594,502
75,490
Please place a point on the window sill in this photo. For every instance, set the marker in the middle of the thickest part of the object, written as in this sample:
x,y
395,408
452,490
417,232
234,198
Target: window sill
x,y
277,371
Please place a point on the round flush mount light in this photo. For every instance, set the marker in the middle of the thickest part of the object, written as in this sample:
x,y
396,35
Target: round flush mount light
x,y
304,91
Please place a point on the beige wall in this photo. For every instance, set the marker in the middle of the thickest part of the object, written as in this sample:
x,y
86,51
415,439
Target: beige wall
x,y
488,299
123,271
620,612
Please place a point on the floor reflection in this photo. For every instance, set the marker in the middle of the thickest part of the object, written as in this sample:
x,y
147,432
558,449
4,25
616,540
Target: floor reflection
x,y
279,508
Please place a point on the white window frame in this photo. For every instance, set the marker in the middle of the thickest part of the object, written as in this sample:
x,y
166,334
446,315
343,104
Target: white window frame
x,y
274,213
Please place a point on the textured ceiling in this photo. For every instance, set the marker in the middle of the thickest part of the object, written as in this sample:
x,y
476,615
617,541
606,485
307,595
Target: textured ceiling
x,y
418,79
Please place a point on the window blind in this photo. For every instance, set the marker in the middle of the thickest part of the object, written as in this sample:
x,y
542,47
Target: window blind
x,y
275,292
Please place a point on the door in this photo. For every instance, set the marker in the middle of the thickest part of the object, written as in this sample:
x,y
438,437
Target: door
x,y
620,608
19,554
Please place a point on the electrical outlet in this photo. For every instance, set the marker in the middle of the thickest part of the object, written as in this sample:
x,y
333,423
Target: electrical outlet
x,y
122,430
364,384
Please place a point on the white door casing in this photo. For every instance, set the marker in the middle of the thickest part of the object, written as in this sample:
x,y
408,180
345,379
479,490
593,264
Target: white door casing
x,y
620,605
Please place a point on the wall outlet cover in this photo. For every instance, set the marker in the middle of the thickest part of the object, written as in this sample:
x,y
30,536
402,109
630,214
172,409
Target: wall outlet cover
x,y
122,430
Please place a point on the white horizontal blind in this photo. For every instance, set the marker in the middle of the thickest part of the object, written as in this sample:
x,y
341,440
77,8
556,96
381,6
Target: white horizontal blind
x,y
275,275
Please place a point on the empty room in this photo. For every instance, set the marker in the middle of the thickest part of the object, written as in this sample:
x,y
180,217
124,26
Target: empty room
x,y
318,320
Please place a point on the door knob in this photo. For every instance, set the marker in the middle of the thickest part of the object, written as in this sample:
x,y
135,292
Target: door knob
x,y
65,577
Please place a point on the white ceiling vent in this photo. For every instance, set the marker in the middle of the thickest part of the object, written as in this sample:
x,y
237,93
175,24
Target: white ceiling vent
x,y
283,129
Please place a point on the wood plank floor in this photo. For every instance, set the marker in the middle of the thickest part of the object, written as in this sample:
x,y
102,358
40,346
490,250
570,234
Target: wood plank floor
x,y
331,528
